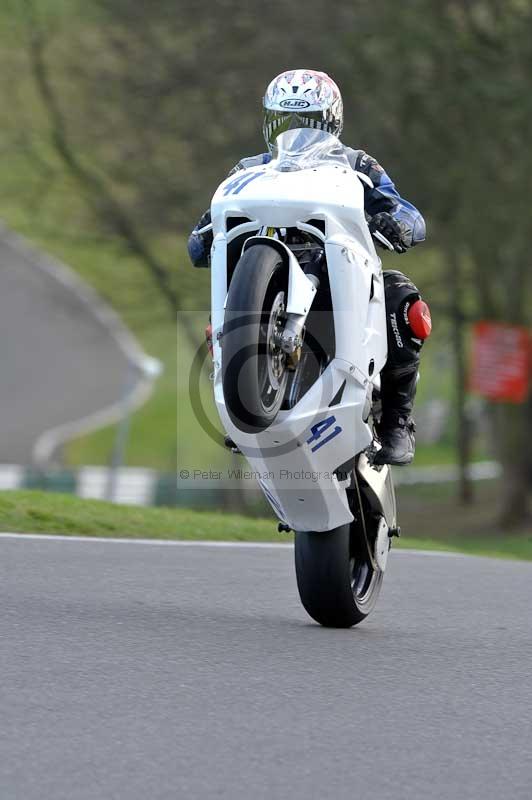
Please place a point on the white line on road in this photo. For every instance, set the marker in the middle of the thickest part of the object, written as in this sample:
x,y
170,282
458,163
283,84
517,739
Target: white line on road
x,y
153,542
47,537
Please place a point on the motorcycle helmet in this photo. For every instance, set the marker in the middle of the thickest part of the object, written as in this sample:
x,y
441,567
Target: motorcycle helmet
x,y
301,98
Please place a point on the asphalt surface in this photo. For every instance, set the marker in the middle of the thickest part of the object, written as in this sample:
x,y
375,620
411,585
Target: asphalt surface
x,y
135,671
59,363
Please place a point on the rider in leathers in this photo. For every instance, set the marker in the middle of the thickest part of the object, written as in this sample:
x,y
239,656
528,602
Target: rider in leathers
x,y
306,98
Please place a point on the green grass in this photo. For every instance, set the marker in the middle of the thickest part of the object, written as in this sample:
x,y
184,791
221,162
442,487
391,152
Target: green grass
x,y
40,512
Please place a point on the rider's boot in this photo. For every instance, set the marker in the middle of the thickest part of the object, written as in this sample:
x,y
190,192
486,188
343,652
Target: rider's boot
x,y
396,428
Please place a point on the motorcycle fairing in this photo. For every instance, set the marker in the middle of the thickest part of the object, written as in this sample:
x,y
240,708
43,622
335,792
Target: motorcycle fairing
x,y
286,457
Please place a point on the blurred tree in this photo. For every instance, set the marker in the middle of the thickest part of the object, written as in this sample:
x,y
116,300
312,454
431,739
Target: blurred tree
x,y
454,80
173,107
151,113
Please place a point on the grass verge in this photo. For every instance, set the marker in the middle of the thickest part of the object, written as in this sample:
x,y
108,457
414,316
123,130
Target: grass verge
x,y
41,512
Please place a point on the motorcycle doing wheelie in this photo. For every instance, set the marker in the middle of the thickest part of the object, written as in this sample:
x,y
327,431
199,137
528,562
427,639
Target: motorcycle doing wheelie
x,y
299,341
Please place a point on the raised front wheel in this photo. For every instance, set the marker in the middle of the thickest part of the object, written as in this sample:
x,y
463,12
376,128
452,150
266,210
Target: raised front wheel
x,y
253,365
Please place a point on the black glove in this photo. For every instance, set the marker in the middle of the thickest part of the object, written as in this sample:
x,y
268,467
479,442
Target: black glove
x,y
391,229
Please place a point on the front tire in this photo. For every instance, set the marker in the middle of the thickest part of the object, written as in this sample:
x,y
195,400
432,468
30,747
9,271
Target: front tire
x,y
254,370
338,589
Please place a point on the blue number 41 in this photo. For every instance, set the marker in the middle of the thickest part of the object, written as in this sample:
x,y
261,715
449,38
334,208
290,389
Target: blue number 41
x,y
319,429
236,185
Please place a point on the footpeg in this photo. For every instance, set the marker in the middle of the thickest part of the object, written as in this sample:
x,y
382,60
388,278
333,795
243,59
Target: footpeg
x,y
231,445
394,532
283,528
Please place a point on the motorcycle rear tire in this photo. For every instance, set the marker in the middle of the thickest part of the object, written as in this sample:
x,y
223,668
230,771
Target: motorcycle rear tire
x,y
337,589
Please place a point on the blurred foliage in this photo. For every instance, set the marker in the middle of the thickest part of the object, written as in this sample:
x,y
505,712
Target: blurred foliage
x,y
144,107
160,110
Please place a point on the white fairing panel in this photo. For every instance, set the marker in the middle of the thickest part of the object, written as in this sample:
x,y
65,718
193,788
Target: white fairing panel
x,y
296,457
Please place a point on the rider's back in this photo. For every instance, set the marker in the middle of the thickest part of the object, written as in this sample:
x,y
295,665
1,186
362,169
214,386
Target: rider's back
x,y
382,197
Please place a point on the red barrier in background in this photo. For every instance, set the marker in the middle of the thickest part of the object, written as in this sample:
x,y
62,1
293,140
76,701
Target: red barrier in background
x,y
500,366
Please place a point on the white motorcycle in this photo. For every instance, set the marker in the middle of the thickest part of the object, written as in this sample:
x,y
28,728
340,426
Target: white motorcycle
x,y
299,342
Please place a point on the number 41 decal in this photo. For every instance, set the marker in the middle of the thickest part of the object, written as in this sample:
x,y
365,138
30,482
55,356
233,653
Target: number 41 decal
x,y
319,429
236,185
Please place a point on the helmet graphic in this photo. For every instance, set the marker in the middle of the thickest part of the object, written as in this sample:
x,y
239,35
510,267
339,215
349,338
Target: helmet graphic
x,y
302,98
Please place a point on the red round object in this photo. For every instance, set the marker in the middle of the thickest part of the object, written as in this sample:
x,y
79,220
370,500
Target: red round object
x,y
419,319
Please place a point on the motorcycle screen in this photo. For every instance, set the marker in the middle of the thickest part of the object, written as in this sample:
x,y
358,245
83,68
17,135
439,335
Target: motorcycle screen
x,y
307,148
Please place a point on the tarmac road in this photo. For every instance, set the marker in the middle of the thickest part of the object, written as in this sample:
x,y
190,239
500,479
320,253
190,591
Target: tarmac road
x,y
146,672
59,363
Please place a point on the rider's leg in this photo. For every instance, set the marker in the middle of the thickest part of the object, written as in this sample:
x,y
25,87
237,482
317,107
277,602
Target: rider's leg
x,y
408,325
